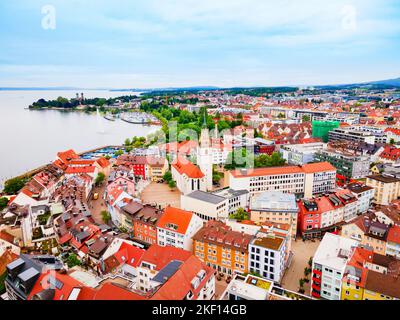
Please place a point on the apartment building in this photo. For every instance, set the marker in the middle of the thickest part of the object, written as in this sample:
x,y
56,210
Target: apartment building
x,y
302,181
177,227
387,188
268,256
221,248
329,265
215,205
364,194
358,134
277,207
300,154
350,166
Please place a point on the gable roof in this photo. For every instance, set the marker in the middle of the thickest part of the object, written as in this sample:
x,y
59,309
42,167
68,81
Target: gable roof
x,y
175,219
189,169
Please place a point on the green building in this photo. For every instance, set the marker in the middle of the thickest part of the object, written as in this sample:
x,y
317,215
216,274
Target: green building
x,y
320,129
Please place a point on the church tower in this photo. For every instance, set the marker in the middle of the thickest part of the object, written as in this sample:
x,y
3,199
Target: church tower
x,y
204,155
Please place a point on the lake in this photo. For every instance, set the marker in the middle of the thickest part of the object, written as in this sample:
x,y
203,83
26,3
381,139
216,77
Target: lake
x,y
30,139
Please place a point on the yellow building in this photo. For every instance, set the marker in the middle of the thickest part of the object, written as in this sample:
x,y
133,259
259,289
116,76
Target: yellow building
x,y
222,249
381,286
367,232
387,188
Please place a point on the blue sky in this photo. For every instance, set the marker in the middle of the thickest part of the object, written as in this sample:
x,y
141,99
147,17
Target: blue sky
x,y
163,43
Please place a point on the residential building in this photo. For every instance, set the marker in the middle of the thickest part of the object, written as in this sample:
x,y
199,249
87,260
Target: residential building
x,y
301,154
177,227
393,242
387,188
215,205
358,134
368,232
350,166
222,248
303,181
268,256
329,265
275,207
364,194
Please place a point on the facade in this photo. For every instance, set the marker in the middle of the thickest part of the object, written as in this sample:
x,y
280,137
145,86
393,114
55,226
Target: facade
x,y
276,207
300,154
357,134
350,166
268,256
221,248
387,188
304,181
368,232
329,265
188,177
393,242
364,194
216,205
176,228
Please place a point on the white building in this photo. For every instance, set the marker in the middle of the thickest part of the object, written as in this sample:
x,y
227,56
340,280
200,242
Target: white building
x,y
329,264
303,181
188,177
267,256
177,227
217,205
365,194
300,154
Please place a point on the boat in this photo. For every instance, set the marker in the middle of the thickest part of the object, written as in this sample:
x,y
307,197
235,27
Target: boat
x,y
109,117
139,118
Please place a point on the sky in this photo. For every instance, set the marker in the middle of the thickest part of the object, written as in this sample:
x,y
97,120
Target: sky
x,y
181,43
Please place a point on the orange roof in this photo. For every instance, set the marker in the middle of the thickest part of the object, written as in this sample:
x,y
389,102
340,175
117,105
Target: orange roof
x,y
189,169
103,162
68,155
178,286
161,256
176,220
79,170
394,234
4,235
129,254
6,259
63,293
318,167
110,291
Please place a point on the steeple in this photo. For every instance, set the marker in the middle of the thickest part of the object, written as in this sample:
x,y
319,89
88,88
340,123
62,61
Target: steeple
x,y
205,119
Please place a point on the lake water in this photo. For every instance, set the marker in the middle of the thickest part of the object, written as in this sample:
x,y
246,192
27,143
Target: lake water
x,y
30,139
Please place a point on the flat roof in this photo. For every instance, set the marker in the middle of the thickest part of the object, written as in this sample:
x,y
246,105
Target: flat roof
x,y
205,196
273,243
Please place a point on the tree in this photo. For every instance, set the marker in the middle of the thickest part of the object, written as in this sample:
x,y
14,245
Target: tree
x,y
306,118
275,160
167,176
12,186
73,261
281,116
240,215
392,142
100,178
3,203
127,142
172,184
106,216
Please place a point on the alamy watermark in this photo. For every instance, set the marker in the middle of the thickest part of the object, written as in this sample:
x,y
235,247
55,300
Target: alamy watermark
x,y
49,20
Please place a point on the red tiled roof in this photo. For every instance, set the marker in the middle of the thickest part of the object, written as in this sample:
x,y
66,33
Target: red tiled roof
x,y
68,155
180,219
394,234
110,291
189,169
79,170
7,237
161,256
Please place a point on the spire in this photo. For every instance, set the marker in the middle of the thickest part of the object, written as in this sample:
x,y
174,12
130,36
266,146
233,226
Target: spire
x,y
205,118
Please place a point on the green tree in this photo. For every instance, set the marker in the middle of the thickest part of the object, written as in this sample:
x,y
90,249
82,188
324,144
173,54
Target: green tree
x,y
240,215
306,118
105,216
392,142
14,185
172,184
127,142
167,176
3,203
73,261
100,178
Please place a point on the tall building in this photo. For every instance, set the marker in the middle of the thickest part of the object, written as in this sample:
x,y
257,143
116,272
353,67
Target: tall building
x,y
329,265
205,157
302,181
